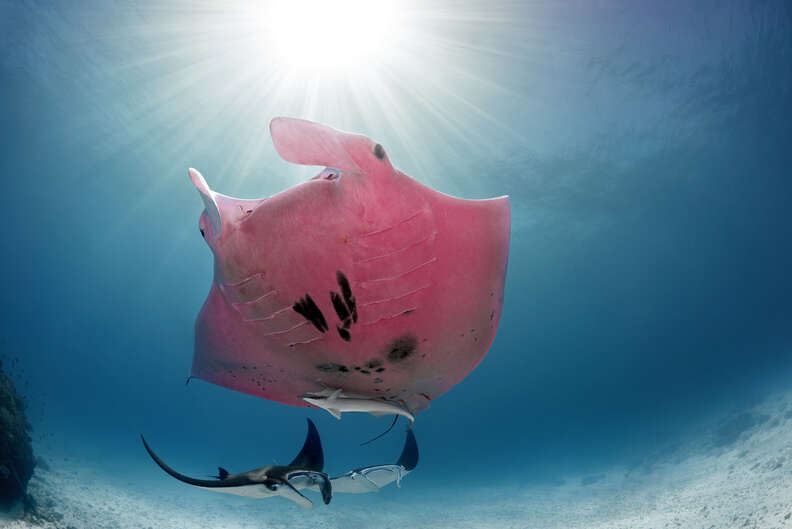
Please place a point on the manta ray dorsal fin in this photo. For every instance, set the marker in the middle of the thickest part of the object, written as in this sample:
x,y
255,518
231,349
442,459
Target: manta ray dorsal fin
x,y
222,473
311,456
208,197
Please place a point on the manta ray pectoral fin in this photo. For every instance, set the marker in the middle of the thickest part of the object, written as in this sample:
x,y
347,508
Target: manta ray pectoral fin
x,y
311,456
409,456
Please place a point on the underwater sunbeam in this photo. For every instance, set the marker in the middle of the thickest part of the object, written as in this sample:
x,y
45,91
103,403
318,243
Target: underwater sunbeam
x,y
319,35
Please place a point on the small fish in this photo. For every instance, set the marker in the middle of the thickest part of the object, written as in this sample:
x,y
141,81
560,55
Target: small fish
x,y
336,402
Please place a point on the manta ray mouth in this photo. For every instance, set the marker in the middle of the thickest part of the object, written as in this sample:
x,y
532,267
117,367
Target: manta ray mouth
x,y
328,174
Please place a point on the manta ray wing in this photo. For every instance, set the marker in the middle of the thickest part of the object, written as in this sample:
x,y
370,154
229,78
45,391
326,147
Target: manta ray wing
x,y
311,456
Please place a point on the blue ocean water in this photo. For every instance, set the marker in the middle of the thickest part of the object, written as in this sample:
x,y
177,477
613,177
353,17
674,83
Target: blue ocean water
x,y
645,146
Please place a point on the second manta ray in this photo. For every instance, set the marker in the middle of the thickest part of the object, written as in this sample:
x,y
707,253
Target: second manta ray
x,y
275,480
305,472
372,479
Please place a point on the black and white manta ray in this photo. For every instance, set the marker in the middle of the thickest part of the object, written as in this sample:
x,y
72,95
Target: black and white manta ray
x,y
372,479
305,472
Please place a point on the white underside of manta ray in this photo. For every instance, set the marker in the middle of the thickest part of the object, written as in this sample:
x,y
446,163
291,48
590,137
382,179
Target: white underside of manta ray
x,y
304,472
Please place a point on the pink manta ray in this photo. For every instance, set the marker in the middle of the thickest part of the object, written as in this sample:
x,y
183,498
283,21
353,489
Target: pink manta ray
x,y
360,279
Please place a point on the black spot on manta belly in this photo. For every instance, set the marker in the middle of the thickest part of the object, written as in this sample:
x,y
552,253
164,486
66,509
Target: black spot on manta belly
x,y
332,367
306,307
340,306
346,292
401,348
373,363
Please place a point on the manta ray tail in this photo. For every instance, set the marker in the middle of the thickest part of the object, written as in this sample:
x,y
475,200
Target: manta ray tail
x,y
396,418
227,482
311,456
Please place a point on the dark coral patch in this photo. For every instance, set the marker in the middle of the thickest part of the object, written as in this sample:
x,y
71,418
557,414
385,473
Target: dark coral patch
x,y
402,347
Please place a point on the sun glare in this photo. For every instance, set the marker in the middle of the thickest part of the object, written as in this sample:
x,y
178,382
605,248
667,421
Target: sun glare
x,y
322,35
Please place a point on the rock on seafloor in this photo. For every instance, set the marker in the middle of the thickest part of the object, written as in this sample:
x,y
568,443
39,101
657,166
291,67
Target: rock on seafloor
x,y
16,451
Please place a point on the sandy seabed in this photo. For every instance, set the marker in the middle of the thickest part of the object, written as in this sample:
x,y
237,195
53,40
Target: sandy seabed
x,y
737,475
